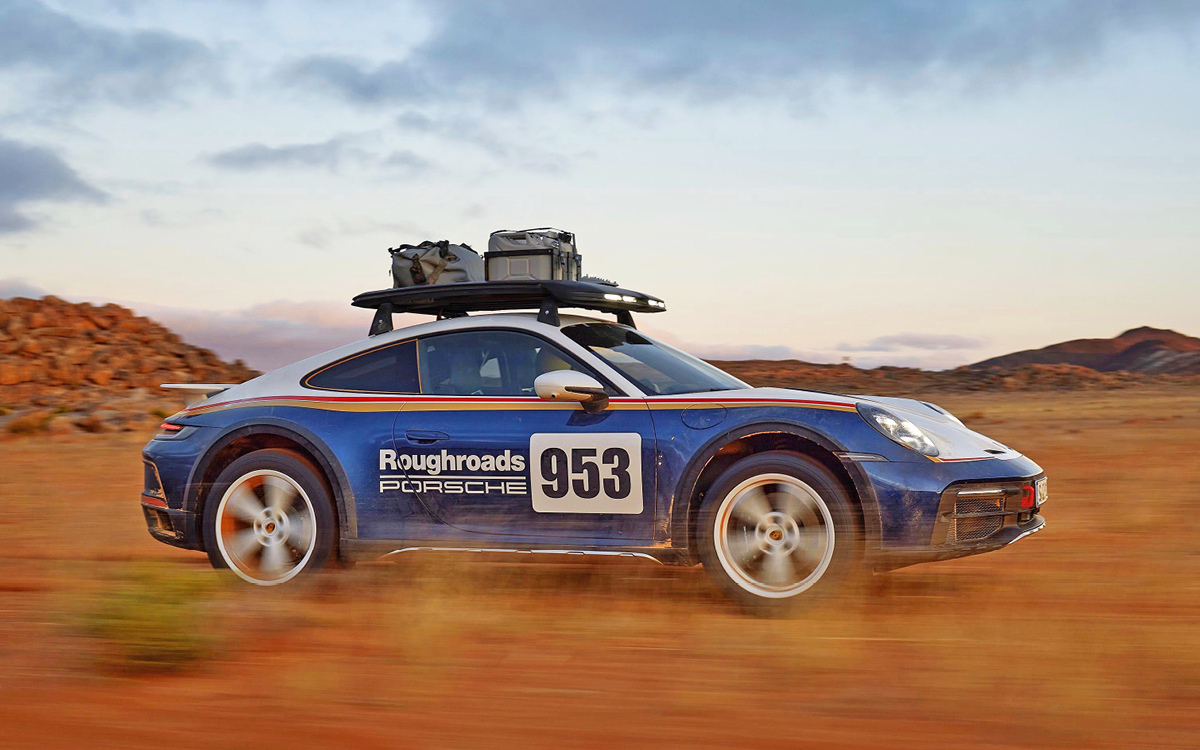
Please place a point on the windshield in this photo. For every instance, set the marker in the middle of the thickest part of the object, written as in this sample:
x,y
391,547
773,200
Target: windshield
x,y
656,368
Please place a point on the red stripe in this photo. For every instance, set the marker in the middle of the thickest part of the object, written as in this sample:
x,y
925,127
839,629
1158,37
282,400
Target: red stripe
x,y
507,400
745,401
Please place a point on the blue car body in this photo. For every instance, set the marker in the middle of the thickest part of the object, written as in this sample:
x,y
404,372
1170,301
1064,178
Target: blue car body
x,y
377,452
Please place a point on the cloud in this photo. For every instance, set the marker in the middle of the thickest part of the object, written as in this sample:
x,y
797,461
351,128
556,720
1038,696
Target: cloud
x,y
330,155
504,54
470,131
81,61
925,351
923,341
461,129
31,173
155,218
349,79
407,164
14,287
269,335
324,236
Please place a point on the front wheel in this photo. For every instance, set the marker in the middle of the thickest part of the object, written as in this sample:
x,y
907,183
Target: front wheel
x,y
777,529
269,518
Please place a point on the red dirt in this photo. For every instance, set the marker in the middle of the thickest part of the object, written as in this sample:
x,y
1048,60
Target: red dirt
x,y
1083,636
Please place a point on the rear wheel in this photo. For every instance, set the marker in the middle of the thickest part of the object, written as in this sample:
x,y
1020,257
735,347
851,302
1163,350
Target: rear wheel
x,y
269,518
777,530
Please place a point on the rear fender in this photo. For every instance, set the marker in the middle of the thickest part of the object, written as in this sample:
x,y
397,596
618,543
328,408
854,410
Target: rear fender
x,y
306,439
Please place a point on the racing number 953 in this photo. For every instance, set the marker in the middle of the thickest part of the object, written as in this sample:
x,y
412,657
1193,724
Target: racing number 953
x,y
583,475
586,473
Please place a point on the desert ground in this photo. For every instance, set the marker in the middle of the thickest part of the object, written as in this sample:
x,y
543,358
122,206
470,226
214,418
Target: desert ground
x,y
1083,636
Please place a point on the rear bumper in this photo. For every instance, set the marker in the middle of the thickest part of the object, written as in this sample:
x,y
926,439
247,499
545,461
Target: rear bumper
x,y
177,528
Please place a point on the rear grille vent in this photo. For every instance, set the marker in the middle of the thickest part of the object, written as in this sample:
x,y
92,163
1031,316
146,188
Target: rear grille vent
x,y
983,517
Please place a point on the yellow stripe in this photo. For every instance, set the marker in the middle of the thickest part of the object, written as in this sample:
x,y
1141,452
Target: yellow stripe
x,y
749,404
526,406
418,405
318,405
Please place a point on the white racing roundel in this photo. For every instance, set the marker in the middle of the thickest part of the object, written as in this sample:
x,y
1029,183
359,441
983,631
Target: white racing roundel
x,y
586,472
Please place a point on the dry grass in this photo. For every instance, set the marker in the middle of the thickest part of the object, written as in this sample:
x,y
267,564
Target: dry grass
x,y
1083,636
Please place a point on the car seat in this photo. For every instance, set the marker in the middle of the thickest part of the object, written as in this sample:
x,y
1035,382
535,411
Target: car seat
x,y
465,379
549,361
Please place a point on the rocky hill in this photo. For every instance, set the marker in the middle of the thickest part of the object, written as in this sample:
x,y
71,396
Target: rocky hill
x,y
905,381
75,367
1142,350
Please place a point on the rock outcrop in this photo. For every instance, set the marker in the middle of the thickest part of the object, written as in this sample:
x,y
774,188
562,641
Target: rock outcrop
x,y
68,367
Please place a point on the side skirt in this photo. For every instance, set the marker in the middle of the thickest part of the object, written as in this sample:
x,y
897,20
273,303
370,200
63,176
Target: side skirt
x,y
373,549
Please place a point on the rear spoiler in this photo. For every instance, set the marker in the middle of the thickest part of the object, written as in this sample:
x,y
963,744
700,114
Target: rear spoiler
x,y
194,393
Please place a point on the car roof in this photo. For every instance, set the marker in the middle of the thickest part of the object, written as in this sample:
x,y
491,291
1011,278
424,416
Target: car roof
x,y
516,320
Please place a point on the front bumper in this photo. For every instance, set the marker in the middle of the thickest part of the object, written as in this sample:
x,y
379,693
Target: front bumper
x,y
974,516
901,558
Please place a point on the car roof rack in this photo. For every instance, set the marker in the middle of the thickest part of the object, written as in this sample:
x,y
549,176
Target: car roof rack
x,y
456,300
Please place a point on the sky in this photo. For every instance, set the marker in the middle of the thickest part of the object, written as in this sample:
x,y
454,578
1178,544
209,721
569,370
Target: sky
x,y
911,183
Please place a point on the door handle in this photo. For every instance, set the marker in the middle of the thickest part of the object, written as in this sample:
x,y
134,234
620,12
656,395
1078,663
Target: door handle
x,y
425,437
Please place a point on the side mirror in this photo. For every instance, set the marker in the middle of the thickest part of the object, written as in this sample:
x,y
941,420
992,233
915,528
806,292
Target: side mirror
x,y
569,385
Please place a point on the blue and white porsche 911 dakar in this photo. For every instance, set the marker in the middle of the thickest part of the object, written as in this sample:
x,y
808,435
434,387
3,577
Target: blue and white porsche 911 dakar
x,y
543,432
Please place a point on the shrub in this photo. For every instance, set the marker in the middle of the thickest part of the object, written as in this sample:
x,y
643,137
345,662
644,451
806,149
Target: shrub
x,y
28,424
153,619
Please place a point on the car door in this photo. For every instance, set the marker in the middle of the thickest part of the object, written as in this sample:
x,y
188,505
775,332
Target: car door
x,y
487,456
352,404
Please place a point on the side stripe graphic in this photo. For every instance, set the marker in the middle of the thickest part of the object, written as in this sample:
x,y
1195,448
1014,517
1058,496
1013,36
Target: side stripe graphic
x,y
479,403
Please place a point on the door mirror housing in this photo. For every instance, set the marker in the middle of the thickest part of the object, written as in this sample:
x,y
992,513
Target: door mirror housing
x,y
571,385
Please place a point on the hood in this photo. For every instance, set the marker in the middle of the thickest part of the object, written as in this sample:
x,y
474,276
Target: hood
x,y
955,441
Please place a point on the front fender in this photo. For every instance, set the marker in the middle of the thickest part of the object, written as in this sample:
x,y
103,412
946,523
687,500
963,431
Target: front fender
x,y
684,489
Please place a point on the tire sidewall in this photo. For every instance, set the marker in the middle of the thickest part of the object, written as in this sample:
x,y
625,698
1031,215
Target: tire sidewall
x,y
300,471
847,551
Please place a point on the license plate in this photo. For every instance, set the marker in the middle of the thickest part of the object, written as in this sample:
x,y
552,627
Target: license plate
x,y
1041,494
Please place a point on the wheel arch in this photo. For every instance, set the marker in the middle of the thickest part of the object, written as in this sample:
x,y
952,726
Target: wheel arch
x,y
722,451
238,440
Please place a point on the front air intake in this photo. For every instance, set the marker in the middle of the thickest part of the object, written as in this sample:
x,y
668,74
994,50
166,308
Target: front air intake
x,y
976,517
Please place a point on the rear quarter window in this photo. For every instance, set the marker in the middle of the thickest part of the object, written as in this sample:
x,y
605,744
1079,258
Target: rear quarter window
x,y
388,369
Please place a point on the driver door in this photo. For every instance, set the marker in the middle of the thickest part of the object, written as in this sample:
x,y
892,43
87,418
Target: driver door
x,y
487,456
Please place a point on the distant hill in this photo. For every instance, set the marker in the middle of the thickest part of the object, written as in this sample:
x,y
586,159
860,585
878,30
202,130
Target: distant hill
x,y
67,368
1150,351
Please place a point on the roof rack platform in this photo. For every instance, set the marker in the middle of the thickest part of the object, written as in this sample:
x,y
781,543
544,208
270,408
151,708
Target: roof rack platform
x,y
453,300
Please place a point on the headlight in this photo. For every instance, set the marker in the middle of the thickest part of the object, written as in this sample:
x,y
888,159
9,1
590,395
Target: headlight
x,y
897,428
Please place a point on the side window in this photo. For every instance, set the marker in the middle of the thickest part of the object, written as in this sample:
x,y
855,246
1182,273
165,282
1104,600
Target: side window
x,y
488,363
388,369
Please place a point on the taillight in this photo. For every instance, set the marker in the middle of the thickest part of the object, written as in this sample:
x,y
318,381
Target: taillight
x,y
169,428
